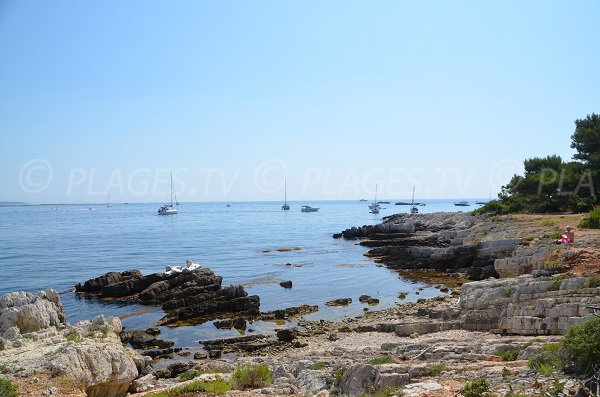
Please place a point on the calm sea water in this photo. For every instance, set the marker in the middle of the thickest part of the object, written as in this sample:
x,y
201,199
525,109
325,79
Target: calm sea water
x,y
59,246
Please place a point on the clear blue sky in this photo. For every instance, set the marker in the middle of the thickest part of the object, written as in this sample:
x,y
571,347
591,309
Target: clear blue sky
x,y
337,95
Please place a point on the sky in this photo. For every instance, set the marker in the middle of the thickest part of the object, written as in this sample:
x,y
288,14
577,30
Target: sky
x,y
103,98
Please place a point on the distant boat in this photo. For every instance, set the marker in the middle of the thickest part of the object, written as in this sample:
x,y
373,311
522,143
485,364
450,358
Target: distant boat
x,y
108,201
480,202
403,203
374,210
462,204
285,205
363,200
228,205
383,202
375,204
168,209
413,206
306,208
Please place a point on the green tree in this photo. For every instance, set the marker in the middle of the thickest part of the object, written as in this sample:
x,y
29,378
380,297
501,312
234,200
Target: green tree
x,y
586,140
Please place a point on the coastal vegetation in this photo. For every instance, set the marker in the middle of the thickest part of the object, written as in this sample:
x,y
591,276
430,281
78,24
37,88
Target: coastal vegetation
x,y
251,376
219,386
477,387
581,344
550,184
7,388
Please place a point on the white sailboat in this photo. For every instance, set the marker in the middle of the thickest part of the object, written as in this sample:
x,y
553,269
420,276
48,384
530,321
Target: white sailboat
x,y
375,205
168,209
285,205
413,206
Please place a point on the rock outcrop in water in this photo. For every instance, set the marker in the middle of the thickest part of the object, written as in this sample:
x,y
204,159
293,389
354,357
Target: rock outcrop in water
x,y
189,293
449,242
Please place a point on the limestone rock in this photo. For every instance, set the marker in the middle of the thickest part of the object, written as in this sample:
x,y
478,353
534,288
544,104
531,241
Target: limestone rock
x,y
357,378
105,370
314,382
526,305
25,312
143,384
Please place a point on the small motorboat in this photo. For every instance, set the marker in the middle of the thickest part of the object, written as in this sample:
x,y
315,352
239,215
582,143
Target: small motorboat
x,y
374,210
307,208
462,204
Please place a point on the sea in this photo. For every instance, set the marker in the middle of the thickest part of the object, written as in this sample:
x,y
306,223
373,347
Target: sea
x,y
58,246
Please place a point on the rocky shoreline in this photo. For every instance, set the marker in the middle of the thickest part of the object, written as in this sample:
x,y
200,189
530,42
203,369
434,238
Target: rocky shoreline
x,y
426,348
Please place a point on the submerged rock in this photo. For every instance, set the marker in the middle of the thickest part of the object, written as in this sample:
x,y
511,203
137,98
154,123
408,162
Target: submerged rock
x,y
286,284
287,313
339,302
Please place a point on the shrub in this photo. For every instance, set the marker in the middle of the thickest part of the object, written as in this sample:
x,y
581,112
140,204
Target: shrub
x,y
592,282
219,386
339,374
555,286
548,360
592,220
509,354
8,389
318,365
189,375
494,207
477,387
382,360
252,376
434,369
554,236
74,337
581,344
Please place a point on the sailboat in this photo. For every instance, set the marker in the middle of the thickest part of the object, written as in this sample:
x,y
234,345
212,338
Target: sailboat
x,y
285,205
168,209
413,206
375,207
108,204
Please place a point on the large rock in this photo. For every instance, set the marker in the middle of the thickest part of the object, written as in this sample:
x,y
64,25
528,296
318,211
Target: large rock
x,y
185,293
526,305
357,379
27,313
439,241
104,370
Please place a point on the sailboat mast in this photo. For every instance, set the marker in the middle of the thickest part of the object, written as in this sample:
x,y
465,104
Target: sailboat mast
x,y
413,196
375,193
171,188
